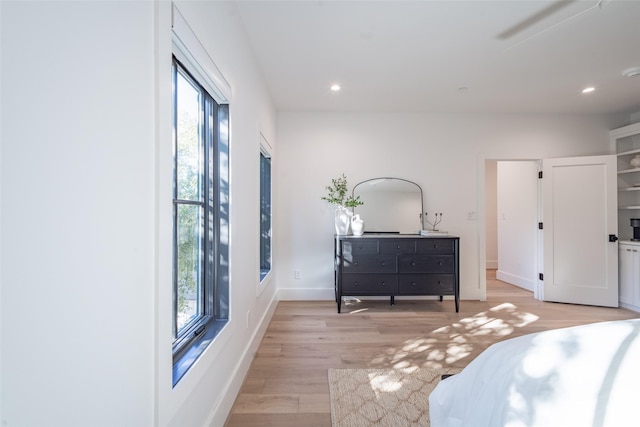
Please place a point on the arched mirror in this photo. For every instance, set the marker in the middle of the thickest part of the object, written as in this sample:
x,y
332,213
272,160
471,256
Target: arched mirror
x,y
391,205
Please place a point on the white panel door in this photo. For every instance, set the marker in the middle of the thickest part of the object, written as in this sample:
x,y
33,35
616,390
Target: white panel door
x,y
579,215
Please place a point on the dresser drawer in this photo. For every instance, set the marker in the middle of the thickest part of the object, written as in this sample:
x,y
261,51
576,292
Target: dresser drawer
x,y
426,284
369,284
370,264
435,246
393,265
426,264
360,246
397,246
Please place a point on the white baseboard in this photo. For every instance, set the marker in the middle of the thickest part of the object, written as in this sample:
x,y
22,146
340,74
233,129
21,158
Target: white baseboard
x,y
324,294
630,307
513,279
328,295
220,413
306,294
492,264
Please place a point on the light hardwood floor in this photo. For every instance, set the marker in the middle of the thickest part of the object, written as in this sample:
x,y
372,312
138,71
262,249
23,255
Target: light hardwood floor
x,y
287,382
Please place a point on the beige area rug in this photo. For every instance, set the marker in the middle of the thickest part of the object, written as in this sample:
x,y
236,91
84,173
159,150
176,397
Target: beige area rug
x,y
382,397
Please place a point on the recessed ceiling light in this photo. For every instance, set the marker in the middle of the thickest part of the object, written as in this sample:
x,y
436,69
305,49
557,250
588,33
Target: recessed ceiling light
x,y
588,89
335,87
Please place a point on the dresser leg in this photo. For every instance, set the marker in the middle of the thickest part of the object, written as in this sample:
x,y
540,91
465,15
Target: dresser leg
x,y
392,300
440,298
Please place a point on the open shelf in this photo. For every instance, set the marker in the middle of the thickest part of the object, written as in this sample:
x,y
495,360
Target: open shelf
x,y
628,171
626,153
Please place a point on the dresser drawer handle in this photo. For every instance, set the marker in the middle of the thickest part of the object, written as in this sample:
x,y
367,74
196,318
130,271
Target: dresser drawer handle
x,y
383,263
439,262
435,246
355,264
355,283
397,246
384,284
413,283
413,264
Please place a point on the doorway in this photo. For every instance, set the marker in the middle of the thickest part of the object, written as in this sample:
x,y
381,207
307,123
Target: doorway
x,y
577,249
511,212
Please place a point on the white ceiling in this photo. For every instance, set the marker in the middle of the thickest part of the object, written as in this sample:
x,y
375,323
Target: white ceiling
x,y
415,56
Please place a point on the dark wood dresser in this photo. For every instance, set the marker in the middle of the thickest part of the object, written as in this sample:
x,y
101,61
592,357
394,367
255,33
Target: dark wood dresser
x,y
396,264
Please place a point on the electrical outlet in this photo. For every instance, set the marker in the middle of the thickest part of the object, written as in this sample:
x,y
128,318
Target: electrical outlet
x,y
472,215
248,318
296,274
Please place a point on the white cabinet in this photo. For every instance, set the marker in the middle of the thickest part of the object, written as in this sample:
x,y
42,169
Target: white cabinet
x,y
625,143
629,272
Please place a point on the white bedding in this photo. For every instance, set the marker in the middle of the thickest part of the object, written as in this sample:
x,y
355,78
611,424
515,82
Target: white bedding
x,y
582,376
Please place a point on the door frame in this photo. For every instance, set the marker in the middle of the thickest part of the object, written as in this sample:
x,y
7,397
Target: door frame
x,y
481,218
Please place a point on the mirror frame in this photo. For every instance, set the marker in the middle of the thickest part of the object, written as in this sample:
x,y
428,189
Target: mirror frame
x,y
421,213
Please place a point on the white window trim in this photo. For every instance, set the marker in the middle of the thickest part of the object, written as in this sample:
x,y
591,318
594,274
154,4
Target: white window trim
x,y
188,49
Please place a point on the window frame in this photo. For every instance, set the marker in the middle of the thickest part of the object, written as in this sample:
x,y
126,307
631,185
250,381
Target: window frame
x,y
190,341
266,153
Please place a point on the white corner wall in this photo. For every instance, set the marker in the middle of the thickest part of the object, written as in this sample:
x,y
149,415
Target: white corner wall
x,y
440,152
84,254
517,212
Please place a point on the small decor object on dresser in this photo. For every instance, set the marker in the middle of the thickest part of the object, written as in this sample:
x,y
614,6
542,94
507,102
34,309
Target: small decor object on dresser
x,y
342,220
357,225
435,222
337,195
635,161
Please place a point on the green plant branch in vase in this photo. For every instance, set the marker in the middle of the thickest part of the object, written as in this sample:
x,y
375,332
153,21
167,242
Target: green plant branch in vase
x,y
337,195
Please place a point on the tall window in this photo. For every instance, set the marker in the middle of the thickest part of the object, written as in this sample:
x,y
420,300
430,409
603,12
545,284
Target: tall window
x,y
200,218
265,212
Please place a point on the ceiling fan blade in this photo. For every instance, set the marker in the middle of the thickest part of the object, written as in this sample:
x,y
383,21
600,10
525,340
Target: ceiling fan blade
x,y
535,18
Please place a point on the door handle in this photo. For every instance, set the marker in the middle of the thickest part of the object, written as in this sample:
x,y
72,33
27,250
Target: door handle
x,y
613,238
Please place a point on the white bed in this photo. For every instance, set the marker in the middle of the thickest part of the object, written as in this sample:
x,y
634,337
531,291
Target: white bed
x,y
582,376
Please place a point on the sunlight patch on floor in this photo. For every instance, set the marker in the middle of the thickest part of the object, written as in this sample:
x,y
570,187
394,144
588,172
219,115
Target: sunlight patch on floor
x,y
497,322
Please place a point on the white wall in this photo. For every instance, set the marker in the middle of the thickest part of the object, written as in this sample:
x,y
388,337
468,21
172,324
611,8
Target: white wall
x,y
85,258
443,153
517,196
77,214
491,213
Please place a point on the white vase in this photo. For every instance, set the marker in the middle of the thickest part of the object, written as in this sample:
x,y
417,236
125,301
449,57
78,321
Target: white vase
x,y
357,225
343,219
635,162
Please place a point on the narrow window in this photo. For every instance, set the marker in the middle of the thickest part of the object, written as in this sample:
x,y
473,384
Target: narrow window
x,y
265,211
200,218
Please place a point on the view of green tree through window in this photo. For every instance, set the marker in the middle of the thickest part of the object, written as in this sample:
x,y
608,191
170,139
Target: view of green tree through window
x,y
200,218
189,182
